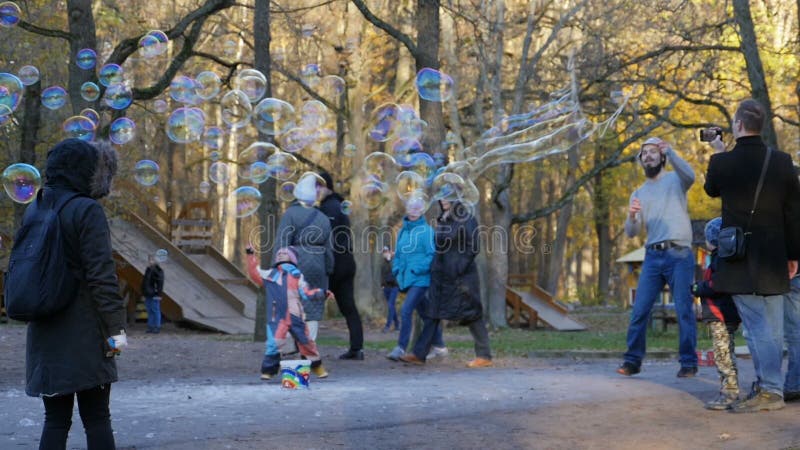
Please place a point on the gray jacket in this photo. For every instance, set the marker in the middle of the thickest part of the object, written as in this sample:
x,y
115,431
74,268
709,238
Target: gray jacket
x,y
308,230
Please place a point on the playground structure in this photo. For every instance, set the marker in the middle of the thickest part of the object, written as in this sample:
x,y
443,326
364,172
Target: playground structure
x,y
528,304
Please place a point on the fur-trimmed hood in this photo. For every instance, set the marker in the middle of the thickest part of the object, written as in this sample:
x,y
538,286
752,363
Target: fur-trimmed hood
x,y
85,167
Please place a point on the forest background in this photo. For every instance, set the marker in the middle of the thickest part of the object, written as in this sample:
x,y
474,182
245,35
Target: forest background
x,y
672,67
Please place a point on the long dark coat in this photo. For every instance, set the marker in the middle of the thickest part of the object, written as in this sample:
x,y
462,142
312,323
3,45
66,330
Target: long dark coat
x,y
775,228
66,353
344,264
454,292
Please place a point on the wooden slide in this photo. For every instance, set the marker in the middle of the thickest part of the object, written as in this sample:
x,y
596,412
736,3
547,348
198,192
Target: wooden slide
x,y
532,303
204,289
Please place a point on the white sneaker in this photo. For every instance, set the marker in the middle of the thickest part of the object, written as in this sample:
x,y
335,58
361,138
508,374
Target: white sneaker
x,y
396,353
437,352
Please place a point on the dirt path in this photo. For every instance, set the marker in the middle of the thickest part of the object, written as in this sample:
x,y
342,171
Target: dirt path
x,y
185,390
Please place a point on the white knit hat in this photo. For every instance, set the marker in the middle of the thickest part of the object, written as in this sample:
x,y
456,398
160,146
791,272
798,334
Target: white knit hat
x,y
306,190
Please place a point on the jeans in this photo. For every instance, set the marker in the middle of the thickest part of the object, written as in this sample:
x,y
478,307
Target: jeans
x,y
675,267
342,289
415,300
762,317
791,334
93,408
390,293
153,313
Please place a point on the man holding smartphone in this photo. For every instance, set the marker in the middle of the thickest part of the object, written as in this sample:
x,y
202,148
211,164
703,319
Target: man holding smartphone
x,y
660,207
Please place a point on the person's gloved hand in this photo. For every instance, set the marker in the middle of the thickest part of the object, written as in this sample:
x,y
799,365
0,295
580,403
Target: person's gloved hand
x,y
118,342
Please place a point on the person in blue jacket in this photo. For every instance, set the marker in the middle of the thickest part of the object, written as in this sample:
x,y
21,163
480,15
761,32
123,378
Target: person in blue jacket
x,y
411,267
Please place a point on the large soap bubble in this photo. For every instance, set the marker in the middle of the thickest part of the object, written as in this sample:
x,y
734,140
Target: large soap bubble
x,y
183,89
153,43
121,131
286,192
118,96
296,139
247,200
379,165
212,137
146,172
382,122
186,125
322,140
447,186
11,89
28,75
92,115
9,14
79,127
86,59
21,181
372,193
416,203
332,87
219,172
314,114
257,151
433,85
408,182
273,116
54,97
110,74
281,165
236,109
208,85
90,91
252,82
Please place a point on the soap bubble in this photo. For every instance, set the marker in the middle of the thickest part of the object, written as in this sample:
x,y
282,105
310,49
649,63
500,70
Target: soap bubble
x,y
212,137
204,187
90,91
236,109
92,115
118,96
281,165
214,156
161,256
86,59
21,181
314,114
308,29
79,127
160,106
28,75
208,85
273,116
9,14
403,149
411,129
186,125
323,141
286,192
332,87
408,182
295,140
252,82
54,97
183,89
257,151
310,74
382,122
433,85
346,207
146,172
380,165
110,74
447,186
121,131
247,199
10,91
259,172
416,203
373,194
423,164
152,44
218,172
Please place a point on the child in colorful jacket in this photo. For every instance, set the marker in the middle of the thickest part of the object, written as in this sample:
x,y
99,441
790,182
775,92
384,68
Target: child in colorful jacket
x,y
720,313
286,291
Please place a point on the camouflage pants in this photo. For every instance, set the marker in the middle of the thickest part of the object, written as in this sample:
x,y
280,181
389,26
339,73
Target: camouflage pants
x,y
725,357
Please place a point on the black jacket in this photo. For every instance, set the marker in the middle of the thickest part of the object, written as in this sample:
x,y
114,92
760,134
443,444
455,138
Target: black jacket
x,y
344,265
775,229
454,293
717,307
387,277
66,353
153,281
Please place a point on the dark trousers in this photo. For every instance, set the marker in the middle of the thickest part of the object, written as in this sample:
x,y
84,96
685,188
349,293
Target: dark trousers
x,y
477,328
342,288
93,408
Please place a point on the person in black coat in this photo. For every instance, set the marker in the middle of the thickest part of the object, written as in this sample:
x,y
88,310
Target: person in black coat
x,y
454,292
759,280
68,354
152,286
344,267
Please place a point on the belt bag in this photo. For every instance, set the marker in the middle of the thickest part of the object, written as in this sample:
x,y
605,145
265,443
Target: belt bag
x,y
733,240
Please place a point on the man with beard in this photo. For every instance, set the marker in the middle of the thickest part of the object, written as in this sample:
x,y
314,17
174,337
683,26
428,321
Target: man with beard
x,y
660,207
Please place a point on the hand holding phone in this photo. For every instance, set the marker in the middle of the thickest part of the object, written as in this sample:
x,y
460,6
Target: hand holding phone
x,y
710,134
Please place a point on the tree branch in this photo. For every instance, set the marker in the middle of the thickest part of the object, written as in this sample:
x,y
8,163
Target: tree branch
x,y
389,29
29,27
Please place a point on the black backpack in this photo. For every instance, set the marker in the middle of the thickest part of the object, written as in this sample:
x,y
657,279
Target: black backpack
x,y
38,282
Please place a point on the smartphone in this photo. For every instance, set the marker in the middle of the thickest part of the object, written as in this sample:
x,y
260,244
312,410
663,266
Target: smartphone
x,y
709,134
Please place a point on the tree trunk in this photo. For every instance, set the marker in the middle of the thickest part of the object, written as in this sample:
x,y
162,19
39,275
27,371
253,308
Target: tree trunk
x,y
28,138
496,251
427,55
755,70
82,29
269,202
564,216
602,218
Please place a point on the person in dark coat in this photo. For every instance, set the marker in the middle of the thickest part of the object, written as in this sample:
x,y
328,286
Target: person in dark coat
x,y
304,227
454,292
152,286
390,290
344,267
68,354
759,280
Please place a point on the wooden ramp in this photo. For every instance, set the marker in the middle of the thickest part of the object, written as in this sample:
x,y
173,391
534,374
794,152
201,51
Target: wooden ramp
x,y
198,288
537,305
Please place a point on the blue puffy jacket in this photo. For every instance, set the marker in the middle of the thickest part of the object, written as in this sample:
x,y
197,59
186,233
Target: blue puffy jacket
x,y
414,252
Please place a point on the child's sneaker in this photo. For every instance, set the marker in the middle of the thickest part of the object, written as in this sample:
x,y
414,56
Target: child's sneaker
x,y
478,363
266,376
437,352
395,354
319,371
